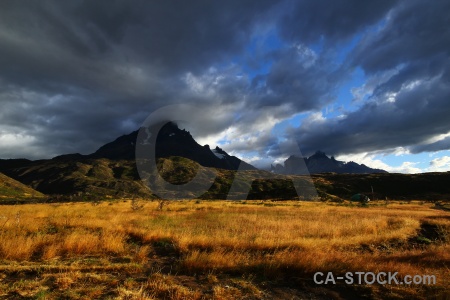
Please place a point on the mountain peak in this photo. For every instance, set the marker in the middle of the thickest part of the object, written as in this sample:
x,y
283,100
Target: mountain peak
x,y
319,162
171,141
319,154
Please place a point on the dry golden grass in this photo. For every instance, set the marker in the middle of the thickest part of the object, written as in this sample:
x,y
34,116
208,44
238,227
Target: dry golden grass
x,y
74,250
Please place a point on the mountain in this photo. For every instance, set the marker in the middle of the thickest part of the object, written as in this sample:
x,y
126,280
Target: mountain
x,y
100,179
319,162
172,141
111,170
11,189
111,173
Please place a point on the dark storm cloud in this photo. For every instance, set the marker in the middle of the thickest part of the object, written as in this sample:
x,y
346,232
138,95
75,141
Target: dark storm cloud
x,y
416,31
417,114
77,74
409,108
50,45
168,34
333,21
432,147
299,77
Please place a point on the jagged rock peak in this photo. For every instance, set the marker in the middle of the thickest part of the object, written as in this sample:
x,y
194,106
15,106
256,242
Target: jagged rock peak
x,y
319,154
319,162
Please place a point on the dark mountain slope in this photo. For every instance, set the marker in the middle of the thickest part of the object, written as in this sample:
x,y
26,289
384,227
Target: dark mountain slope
x,y
99,177
393,186
91,179
103,178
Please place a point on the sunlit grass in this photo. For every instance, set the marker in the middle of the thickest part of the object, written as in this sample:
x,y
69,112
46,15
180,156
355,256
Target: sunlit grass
x,y
274,240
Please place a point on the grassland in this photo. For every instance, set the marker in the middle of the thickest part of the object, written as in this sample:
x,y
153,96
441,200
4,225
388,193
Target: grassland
x,y
219,249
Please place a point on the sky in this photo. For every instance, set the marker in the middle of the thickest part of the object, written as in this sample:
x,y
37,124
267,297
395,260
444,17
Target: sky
x,y
364,81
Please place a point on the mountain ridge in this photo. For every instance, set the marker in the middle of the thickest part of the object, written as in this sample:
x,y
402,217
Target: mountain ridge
x,y
171,141
318,163
88,177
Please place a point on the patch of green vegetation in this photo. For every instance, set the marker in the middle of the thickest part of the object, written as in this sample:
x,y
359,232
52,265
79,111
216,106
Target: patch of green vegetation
x,y
41,295
177,170
423,240
11,189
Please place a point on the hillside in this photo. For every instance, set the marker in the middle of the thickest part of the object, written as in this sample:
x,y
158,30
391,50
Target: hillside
x,y
83,179
111,172
87,179
425,186
11,189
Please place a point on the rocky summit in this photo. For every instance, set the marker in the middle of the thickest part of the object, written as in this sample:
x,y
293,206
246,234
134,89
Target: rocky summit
x,y
172,141
319,162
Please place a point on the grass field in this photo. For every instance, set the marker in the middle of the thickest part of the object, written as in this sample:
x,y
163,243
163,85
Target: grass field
x,y
219,250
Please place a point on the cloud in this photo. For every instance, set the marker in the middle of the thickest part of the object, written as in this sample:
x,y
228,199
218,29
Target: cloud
x,y
334,21
298,76
75,75
416,114
18,144
407,65
369,160
441,164
439,145
415,32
